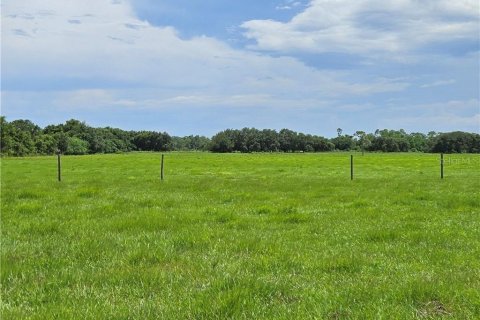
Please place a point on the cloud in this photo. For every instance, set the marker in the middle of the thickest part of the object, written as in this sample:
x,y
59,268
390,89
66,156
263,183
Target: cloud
x,y
439,116
96,59
441,123
368,26
289,5
452,106
438,83
95,44
90,99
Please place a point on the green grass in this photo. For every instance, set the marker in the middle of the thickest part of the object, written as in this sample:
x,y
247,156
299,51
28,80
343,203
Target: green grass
x,y
259,236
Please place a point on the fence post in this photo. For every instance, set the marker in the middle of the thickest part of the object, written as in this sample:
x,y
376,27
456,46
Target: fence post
x,y
441,166
59,166
351,167
161,167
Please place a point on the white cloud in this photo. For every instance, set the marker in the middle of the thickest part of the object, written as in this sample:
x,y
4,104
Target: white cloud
x,y
288,5
442,123
368,26
453,106
91,58
439,116
97,45
90,99
438,83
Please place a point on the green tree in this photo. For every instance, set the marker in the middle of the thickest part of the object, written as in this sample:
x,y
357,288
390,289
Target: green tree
x,y
76,146
62,142
363,140
46,144
344,143
456,142
222,142
17,137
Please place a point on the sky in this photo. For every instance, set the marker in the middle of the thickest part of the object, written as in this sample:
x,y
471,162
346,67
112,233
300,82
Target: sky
x,y
199,67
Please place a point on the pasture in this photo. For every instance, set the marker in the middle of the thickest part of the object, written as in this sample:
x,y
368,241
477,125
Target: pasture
x,y
241,236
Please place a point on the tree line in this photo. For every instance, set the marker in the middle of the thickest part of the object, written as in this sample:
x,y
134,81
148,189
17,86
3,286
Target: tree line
x,y
23,137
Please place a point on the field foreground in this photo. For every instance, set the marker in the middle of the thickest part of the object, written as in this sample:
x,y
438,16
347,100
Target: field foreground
x,y
243,236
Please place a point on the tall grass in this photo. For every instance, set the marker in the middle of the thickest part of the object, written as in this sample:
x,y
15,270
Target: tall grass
x,y
259,236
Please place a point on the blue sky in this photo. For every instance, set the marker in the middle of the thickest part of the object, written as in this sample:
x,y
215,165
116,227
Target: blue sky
x,y
198,67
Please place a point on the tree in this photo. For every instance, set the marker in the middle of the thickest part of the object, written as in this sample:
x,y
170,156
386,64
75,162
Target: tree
x,y
196,143
17,137
287,140
417,141
23,137
456,142
46,144
344,143
321,144
75,128
6,139
26,126
363,140
76,146
222,142
62,142
269,141
152,141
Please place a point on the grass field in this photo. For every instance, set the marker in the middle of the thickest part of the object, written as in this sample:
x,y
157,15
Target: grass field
x,y
242,236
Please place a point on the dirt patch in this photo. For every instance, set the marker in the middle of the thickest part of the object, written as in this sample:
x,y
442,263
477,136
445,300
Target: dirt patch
x,y
433,309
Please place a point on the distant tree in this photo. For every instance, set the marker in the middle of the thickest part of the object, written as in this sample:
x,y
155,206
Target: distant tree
x,y
222,142
26,126
389,141
195,143
456,142
53,129
46,144
287,140
417,141
17,137
6,139
363,140
152,141
75,128
403,144
432,134
76,146
62,142
269,141
321,144
252,139
343,143
23,137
